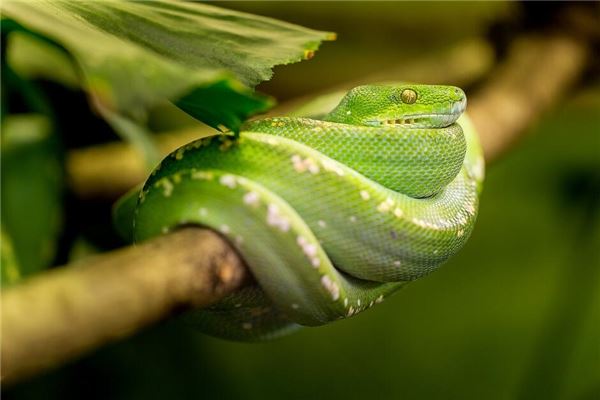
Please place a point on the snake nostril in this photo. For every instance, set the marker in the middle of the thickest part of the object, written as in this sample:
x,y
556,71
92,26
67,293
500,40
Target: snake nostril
x,y
460,94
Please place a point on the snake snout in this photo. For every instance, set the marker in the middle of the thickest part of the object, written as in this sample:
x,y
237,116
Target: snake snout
x,y
452,114
459,106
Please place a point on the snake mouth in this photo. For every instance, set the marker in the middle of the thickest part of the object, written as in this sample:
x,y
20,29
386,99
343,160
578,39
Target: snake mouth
x,y
426,120
422,121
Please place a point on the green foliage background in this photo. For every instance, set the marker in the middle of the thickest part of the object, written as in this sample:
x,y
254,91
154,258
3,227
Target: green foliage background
x,y
515,315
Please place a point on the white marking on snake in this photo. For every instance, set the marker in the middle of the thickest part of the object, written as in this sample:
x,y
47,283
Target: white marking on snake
x,y
330,165
312,166
398,212
203,175
385,206
322,223
295,306
352,218
331,287
397,263
251,198
346,302
419,222
225,229
276,219
379,299
350,311
247,325
310,250
167,186
203,211
365,195
307,164
298,164
228,180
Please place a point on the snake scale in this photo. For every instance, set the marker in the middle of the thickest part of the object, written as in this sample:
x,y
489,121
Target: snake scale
x,y
331,215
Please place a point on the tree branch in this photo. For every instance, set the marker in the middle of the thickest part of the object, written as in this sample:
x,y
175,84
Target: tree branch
x,y
65,312
536,74
68,311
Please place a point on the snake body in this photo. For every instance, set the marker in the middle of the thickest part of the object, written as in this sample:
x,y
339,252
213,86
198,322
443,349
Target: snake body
x,y
331,215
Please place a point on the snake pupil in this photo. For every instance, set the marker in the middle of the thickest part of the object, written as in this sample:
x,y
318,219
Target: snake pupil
x,y
408,96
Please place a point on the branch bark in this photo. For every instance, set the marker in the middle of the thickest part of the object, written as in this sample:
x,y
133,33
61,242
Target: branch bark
x,y
65,312
537,73
68,311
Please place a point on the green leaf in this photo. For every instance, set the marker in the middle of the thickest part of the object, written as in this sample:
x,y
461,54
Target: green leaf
x,y
134,55
31,194
33,58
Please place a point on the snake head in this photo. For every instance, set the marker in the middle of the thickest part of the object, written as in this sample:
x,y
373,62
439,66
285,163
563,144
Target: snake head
x,y
405,105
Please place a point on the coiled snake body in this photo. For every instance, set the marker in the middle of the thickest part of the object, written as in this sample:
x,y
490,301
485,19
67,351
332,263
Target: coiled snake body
x,y
331,215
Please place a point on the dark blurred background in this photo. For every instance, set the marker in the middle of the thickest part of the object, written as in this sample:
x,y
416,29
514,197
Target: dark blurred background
x,y
515,315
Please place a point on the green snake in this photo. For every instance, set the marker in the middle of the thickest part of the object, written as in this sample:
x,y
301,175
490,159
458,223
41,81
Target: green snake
x,y
331,215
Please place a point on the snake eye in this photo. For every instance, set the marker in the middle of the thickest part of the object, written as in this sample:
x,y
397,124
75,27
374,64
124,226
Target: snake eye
x,y
408,96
